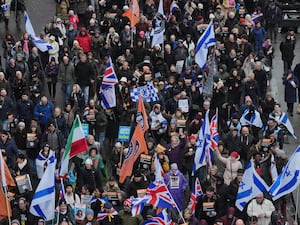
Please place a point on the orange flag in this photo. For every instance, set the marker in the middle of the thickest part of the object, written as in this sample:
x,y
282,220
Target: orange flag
x,y
133,13
141,116
136,147
6,180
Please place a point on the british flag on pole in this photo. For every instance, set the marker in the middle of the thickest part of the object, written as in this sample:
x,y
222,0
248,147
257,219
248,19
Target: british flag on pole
x,y
197,192
157,195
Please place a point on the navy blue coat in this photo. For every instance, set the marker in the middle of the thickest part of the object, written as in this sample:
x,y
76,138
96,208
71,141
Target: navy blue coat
x,y
290,92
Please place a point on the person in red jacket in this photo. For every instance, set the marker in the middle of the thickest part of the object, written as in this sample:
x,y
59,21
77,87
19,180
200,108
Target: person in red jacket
x,y
84,40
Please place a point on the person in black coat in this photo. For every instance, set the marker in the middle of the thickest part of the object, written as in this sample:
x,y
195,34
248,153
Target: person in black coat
x,y
207,213
136,184
290,91
85,75
25,109
287,47
88,175
9,145
23,166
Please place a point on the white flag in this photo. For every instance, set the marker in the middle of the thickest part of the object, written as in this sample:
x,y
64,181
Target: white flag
x,y
159,29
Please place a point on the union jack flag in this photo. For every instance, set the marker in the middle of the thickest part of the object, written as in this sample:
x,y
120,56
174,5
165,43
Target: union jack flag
x,y
109,76
197,192
157,195
102,215
160,195
107,90
214,138
161,219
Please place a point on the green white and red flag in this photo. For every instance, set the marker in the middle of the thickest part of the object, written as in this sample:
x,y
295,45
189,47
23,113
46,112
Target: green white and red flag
x,y
76,144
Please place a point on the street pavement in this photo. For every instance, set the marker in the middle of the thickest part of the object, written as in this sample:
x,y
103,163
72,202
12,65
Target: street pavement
x,y
40,12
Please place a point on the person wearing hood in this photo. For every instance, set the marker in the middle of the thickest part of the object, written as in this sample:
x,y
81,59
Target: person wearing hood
x,y
229,218
54,51
84,40
232,164
177,185
138,182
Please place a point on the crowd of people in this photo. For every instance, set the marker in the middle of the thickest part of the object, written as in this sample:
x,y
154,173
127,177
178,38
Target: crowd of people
x,y
84,36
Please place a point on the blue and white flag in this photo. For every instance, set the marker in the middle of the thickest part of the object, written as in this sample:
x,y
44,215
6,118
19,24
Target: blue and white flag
x,y
147,92
254,120
28,26
289,178
159,28
206,40
203,144
250,186
43,202
287,123
42,45
107,90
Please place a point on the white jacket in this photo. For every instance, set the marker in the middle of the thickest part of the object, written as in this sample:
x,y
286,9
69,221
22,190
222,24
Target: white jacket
x,y
255,209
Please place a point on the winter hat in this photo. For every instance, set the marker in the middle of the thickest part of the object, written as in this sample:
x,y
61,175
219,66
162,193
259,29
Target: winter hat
x,y
88,162
174,166
234,155
89,212
15,222
21,124
192,137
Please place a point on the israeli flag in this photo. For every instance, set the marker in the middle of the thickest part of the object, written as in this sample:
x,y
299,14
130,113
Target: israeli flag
x,y
251,185
289,178
255,119
206,40
287,123
43,202
203,144
42,45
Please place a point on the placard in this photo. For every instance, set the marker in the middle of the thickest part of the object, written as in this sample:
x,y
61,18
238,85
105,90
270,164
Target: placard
x,y
180,123
141,192
85,128
183,104
124,133
86,199
24,183
80,211
112,197
179,66
174,182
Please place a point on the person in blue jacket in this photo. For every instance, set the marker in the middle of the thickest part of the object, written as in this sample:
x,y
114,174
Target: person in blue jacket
x,y
43,111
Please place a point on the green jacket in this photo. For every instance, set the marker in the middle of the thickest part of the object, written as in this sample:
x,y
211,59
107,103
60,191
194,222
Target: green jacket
x,y
127,219
66,73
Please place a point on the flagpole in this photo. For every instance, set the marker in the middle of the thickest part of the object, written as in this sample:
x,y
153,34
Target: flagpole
x,y
297,203
6,201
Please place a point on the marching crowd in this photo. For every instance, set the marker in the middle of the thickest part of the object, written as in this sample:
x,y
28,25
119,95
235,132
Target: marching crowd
x,y
84,36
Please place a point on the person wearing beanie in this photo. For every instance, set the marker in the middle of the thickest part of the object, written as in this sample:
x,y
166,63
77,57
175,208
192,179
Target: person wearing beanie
x,y
232,165
126,217
177,185
138,182
89,218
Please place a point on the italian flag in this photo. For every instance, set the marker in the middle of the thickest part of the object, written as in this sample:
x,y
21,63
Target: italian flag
x,y
75,145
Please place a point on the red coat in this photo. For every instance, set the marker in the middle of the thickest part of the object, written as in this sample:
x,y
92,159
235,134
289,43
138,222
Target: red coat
x,y
85,40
